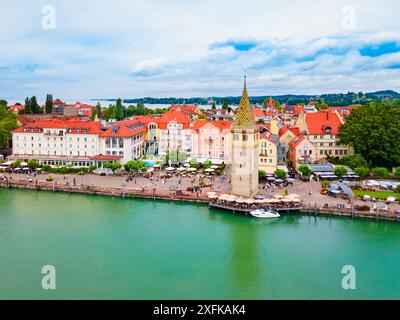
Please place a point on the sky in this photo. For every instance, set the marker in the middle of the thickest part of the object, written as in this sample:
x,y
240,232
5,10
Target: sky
x,y
197,48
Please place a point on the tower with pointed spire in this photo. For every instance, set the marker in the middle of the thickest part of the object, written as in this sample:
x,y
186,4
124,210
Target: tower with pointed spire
x,y
244,173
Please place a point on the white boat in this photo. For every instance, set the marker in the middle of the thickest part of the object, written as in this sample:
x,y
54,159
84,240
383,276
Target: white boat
x,y
261,213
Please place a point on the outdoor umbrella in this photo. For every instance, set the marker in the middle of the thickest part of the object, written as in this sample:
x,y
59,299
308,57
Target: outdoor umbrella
x,y
278,196
191,169
214,167
181,169
259,196
209,170
170,169
239,200
271,179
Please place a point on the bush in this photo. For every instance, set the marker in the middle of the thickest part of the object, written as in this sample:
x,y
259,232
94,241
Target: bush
x,y
304,170
380,172
262,174
397,172
325,184
340,171
33,164
16,164
362,171
194,164
134,165
354,161
281,174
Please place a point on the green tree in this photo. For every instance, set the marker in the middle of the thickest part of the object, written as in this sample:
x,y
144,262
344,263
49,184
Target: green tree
x,y
225,104
361,171
3,103
213,107
109,112
8,122
96,111
278,105
34,105
281,174
120,110
33,164
27,108
49,103
16,164
304,170
134,165
114,166
397,172
340,171
354,161
380,172
262,174
177,156
373,131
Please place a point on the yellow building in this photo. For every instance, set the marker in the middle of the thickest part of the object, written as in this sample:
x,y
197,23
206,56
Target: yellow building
x,y
268,149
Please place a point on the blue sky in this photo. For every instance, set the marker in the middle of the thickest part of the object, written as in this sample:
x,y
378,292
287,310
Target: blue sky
x,y
127,48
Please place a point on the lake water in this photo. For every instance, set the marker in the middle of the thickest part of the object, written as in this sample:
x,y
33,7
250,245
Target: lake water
x,y
141,249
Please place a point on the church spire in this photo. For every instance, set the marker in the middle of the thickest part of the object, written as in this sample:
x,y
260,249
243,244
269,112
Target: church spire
x,y
244,117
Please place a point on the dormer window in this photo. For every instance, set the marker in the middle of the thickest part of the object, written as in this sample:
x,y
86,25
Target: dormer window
x,y
328,130
115,130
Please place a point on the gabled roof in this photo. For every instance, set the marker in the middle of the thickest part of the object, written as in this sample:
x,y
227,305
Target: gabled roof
x,y
258,112
187,109
294,130
124,129
296,141
318,122
172,116
220,124
270,137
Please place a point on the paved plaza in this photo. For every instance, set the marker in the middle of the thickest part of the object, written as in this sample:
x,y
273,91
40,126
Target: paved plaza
x,y
309,192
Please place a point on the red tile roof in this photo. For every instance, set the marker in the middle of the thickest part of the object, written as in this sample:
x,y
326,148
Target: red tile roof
x,y
16,107
73,124
187,109
294,130
124,129
220,124
297,110
296,141
57,102
318,122
172,116
258,112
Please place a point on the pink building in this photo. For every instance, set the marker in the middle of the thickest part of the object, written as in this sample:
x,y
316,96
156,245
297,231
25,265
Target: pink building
x,y
212,140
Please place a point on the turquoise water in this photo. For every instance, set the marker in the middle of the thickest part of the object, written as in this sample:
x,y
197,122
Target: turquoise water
x,y
139,249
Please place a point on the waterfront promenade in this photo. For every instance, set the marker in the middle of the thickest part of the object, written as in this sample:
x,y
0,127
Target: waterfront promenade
x,y
178,188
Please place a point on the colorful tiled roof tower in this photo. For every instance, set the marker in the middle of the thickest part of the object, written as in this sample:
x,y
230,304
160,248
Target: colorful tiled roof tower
x,y
244,118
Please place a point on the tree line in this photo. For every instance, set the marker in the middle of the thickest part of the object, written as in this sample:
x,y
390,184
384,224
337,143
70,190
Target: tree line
x,y
119,112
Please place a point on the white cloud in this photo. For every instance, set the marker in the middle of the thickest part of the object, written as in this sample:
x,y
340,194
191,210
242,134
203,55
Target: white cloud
x,y
136,48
